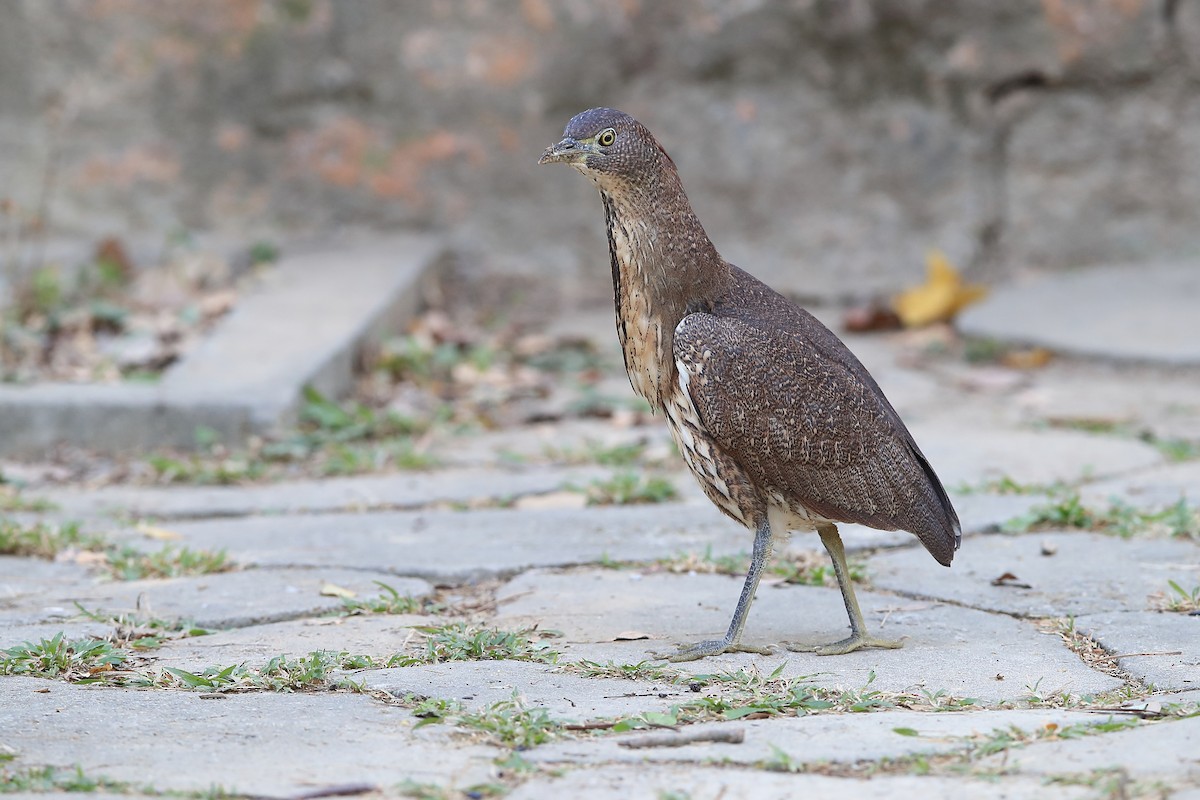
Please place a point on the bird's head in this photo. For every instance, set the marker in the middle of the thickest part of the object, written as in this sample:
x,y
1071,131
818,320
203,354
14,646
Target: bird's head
x,y
608,146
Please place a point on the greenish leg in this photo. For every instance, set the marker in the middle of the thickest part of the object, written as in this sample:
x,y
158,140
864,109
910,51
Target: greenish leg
x,y
731,643
858,637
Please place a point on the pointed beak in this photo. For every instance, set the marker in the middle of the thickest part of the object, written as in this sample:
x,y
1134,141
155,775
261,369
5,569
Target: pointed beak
x,y
568,151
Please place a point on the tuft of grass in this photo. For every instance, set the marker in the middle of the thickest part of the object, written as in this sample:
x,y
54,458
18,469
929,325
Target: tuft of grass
x,y
462,642
1178,599
206,470
42,540
76,661
808,568
509,723
706,563
643,670
388,601
12,501
53,779
129,564
314,671
330,438
629,488
1068,511
123,562
629,454
1173,448
1005,484
142,633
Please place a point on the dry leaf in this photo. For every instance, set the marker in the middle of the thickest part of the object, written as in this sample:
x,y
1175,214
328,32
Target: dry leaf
x,y
874,316
630,636
551,500
1008,579
333,590
940,298
1032,358
155,532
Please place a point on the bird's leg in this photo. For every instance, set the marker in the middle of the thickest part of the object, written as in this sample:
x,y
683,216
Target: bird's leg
x,y
858,637
731,643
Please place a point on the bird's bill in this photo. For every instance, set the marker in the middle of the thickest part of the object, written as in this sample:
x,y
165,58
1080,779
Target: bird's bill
x,y
568,151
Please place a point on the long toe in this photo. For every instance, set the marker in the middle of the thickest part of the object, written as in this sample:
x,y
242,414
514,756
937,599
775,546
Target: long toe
x,y
847,645
711,647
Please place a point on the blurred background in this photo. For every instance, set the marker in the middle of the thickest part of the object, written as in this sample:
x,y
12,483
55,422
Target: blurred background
x,y
157,157
827,144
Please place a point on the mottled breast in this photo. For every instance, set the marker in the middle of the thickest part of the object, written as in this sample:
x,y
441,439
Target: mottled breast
x,y
722,479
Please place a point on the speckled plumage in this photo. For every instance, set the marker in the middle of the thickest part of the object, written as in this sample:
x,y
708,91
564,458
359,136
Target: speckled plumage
x,y
777,419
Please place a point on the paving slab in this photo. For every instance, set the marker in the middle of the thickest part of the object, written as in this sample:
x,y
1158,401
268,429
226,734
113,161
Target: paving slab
x,y
393,490
959,650
560,441
235,599
1152,489
970,456
463,546
479,684
379,636
22,576
1155,633
651,782
1166,751
1101,312
1089,573
822,738
303,326
260,743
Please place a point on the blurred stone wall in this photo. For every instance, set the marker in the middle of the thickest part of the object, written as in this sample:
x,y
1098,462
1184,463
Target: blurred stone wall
x,y
826,144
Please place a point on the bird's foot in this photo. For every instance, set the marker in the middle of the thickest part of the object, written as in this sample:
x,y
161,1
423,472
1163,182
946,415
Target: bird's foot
x,y
711,647
847,645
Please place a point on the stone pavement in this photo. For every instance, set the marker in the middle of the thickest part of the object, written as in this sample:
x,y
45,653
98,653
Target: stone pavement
x,y
475,630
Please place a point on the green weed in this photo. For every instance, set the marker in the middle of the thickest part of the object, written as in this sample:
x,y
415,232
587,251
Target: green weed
x,y
142,633
13,501
129,564
462,642
281,674
388,601
643,670
43,540
592,452
53,779
628,488
1178,599
1068,511
507,722
75,661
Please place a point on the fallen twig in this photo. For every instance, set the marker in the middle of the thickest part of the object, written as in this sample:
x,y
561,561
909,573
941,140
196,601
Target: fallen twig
x,y
723,735
1115,656
588,726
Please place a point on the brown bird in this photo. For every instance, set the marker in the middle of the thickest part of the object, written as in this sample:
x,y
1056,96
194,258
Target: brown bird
x,y
784,428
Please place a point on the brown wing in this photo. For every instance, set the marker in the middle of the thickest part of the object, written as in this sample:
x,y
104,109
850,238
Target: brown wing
x,y
806,424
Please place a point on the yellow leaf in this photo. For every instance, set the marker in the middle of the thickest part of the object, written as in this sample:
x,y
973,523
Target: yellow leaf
x,y
1032,358
333,590
155,532
940,298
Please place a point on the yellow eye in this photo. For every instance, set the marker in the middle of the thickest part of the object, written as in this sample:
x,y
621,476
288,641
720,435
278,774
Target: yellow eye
x,y
606,137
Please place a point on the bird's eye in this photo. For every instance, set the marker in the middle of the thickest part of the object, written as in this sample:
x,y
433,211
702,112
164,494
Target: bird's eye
x,y
606,137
